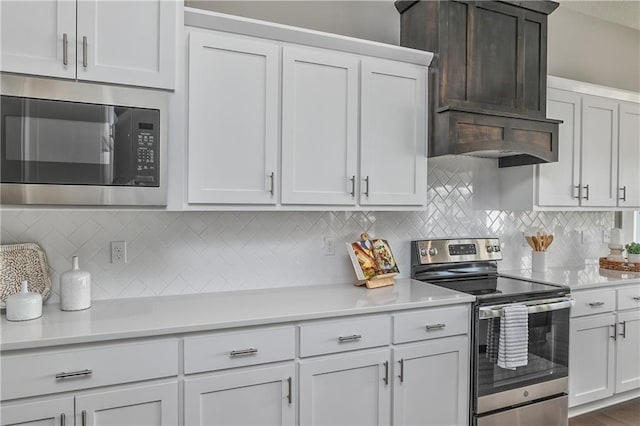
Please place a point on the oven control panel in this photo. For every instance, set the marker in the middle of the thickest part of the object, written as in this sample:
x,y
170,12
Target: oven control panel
x,y
456,250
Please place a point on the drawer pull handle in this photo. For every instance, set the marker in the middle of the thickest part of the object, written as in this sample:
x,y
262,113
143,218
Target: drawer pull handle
x,y
596,304
431,327
290,394
63,419
84,417
81,373
636,298
401,370
386,373
250,351
352,338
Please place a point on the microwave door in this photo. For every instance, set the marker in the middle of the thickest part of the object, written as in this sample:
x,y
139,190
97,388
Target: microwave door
x,y
53,142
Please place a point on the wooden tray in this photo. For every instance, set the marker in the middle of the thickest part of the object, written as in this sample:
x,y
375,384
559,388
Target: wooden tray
x,y
19,262
619,266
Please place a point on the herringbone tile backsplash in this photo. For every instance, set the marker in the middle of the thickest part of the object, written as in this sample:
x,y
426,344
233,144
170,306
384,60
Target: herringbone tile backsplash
x,y
190,252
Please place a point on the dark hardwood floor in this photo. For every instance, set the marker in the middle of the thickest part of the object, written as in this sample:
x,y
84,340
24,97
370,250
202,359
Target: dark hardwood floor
x,y
624,414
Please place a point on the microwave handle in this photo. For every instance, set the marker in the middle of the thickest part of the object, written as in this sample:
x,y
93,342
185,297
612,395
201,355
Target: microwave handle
x,y
549,305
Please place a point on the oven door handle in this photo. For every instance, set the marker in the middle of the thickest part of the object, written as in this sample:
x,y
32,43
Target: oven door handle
x,y
532,308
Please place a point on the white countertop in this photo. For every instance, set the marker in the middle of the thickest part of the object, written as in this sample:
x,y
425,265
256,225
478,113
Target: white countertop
x,y
154,316
578,278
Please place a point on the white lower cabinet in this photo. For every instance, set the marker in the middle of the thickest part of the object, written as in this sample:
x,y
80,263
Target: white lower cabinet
x,y
346,389
431,382
140,405
249,396
604,347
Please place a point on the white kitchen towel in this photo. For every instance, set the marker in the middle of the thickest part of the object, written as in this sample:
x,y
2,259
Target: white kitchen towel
x,y
513,345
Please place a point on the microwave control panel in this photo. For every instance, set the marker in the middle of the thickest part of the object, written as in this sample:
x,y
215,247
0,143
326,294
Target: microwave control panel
x,y
146,142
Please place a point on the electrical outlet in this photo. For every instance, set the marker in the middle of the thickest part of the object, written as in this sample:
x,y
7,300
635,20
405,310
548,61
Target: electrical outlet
x,y
329,246
606,236
524,240
118,252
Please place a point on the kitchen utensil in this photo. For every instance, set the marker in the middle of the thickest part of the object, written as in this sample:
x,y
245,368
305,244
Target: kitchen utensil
x,y
530,242
24,305
23,262
75,288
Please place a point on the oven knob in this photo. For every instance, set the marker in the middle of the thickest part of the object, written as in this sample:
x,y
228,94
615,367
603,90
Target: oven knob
x,y
526,394
489,249
433,251
423,252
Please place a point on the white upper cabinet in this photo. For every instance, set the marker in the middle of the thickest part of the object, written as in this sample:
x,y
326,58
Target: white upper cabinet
x,y
39,37
118,42
393,133
287,118
629,170
319,127
233,120
558,182
599,177
129,42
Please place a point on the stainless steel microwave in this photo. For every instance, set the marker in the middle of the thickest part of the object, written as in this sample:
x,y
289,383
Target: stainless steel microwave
x,y
74,143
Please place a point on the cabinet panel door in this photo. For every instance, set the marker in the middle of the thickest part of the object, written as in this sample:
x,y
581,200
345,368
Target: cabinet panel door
x,y
33,37
319,127
346,389
628,351
599,171
557,181
393,134
260,397
591,358
41,412
145,405
129,42
431,383
233,120
629,165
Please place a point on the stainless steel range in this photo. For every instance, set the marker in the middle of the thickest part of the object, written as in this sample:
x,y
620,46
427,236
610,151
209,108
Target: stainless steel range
x,y
531,394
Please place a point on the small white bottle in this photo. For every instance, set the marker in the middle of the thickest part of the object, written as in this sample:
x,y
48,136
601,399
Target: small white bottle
x,y
75,288
25,305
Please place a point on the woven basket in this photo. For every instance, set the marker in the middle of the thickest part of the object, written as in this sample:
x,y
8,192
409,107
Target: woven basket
x,y
20,262
619,266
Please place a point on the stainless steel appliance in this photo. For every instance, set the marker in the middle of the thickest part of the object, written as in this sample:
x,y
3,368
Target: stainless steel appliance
x,y
534,394
65,142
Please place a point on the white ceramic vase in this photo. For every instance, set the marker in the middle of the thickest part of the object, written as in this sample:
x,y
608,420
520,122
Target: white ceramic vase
x,y
75,288
539,261
634,258
24,305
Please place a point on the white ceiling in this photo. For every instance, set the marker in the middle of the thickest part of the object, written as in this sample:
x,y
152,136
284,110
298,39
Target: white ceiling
x,y
623,12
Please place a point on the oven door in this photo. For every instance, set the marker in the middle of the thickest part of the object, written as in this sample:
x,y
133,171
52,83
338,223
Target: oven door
x,y
546,373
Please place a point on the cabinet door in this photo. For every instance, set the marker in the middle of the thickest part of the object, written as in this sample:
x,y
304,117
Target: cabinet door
x,y
431,383
51,411
557,182
262,396
33,37
591,358
346,389
599,171
628,351
144,405
319,127
393,134
233,120
629,171
129,42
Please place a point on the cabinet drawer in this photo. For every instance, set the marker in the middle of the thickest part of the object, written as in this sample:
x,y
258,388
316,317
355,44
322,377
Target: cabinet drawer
x,y
337,336
238,349
50,371
593,302
629,297
430,324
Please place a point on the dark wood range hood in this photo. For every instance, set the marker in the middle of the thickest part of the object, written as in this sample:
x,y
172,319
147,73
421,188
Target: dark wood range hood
x,y
488,78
